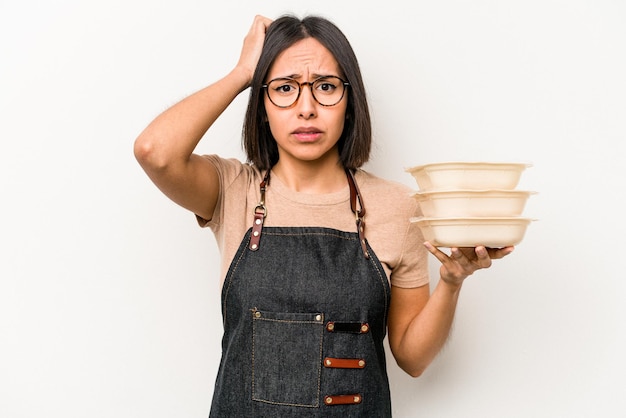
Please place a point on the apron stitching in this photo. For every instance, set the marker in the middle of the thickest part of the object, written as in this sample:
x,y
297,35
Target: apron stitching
x,y
286,321
230,280
286,404
385,282
312,234
253,351
319,367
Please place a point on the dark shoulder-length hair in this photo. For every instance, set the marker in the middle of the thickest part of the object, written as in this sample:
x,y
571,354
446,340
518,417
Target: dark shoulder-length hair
x,y
356,140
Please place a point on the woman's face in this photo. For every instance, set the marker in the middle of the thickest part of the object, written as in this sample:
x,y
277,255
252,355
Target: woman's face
x,y
306,131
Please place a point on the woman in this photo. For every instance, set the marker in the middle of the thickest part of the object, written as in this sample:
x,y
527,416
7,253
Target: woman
x,y
309,292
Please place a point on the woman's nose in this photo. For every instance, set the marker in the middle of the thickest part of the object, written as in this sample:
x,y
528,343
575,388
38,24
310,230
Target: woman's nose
x,y
306,103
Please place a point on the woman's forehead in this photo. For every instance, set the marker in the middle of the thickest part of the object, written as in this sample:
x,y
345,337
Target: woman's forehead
x,y
303,59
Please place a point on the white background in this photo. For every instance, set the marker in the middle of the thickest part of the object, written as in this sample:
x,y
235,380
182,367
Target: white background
x,y
109,294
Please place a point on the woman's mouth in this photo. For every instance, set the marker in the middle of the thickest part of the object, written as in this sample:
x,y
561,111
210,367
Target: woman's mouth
x,y
307,134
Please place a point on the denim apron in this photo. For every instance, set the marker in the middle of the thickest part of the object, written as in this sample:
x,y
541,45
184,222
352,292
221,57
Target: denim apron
x,y
305,315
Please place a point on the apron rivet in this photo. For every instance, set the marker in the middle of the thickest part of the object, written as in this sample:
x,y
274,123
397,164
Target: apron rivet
x,y
328,362
254,246
364,328
258,222
357,399
256,233
361,363
330,326
328,400
257,314
318,317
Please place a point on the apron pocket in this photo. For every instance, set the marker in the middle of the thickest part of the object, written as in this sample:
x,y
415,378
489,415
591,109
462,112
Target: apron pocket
x,y
287,357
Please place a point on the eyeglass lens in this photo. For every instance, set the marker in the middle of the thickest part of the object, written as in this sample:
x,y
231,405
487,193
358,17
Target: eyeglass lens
x,y
327,91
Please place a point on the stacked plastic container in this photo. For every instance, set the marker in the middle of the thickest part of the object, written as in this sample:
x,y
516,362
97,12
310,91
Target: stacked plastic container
x,y
467,204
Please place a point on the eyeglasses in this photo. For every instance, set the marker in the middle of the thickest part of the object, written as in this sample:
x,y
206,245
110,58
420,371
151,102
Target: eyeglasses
x,y
285,92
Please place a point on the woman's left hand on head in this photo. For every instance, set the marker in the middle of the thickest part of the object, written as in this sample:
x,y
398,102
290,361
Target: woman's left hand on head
x,y
463,261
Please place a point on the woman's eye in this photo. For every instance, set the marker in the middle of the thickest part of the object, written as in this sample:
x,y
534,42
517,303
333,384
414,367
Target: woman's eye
x,y
286,88
326,87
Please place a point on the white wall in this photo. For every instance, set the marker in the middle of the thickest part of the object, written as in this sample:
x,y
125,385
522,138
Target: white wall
x,y
109,301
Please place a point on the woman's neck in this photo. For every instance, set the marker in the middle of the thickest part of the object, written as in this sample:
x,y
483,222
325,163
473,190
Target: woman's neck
x,y
311,177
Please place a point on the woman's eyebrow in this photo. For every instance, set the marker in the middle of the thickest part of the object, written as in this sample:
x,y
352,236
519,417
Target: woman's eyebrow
x,y
314,76
292,76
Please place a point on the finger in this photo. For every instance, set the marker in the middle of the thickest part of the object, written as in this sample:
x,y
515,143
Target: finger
x,y
265,22
497,253
471,259
469,252
440,255
483,259
459,254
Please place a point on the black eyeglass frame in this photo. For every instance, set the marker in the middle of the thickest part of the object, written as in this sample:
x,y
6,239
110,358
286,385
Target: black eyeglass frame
x,y
306,83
